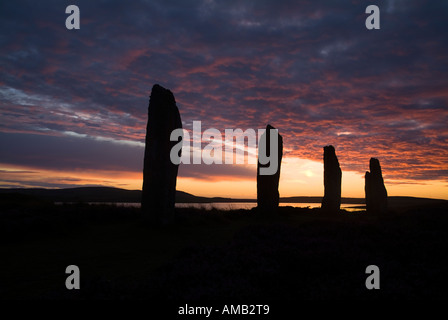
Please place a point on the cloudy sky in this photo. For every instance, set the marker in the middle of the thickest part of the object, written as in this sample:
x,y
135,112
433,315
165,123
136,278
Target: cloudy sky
x,y
73,103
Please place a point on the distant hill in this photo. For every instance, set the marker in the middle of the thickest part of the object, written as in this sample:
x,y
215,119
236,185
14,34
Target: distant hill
x,y
109,194
83,194
106,194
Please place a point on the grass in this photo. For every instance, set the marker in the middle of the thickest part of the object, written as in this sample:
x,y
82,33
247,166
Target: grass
x,y
215,255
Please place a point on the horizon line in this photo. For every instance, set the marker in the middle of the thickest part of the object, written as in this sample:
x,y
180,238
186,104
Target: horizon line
x,y
199,196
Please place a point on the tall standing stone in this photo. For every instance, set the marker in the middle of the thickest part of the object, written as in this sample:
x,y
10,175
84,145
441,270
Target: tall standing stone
x,y
332,180
376,193
159,173
267,185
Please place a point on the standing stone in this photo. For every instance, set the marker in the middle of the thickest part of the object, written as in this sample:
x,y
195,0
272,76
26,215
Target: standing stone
x,y
159,173
376,193
267,185
332,180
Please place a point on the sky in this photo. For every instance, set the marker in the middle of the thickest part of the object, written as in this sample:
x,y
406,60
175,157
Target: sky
x,y
74,103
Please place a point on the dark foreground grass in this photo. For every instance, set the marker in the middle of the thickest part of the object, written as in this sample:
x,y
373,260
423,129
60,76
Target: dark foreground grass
x,y
220,255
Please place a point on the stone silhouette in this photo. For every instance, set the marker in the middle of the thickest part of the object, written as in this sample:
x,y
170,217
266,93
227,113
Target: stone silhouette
x,y
376,193
159,173
267,185
332,180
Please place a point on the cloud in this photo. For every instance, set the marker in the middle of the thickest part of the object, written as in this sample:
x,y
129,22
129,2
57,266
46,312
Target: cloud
x,y
310,69
70,152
